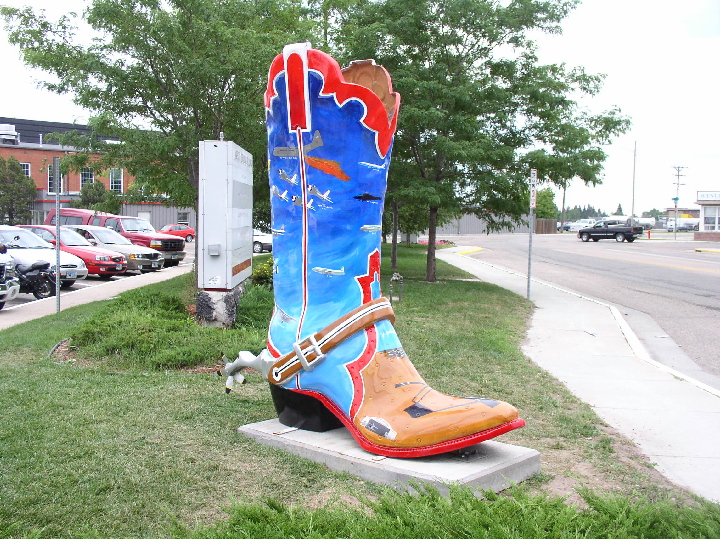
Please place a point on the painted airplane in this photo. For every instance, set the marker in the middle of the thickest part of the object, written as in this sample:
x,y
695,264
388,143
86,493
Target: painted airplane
x,y
292,151
285,177
276,192
278,231
327,271
297,201
313,190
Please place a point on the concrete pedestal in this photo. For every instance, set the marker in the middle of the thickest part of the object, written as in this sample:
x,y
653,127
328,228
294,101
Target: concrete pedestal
x,y
489,465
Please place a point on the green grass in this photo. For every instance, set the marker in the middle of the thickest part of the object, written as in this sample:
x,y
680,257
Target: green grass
x,y
461,514
122,446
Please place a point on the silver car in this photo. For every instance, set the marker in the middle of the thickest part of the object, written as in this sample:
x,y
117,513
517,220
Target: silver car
x,y
139,258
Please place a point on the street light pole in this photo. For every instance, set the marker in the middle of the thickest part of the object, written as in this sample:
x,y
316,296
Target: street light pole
x,y
677,197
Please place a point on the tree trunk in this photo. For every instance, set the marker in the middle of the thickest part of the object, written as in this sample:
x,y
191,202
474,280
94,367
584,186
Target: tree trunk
x,y
562,214
432,231
395,214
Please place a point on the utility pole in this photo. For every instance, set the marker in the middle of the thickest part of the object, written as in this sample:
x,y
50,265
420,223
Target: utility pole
x,y
677,197
632,208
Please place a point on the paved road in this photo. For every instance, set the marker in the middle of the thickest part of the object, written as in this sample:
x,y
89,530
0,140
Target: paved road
x,y
669,292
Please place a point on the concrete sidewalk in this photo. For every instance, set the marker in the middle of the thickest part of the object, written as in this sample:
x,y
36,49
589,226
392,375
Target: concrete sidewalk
x,y
18,314
673,418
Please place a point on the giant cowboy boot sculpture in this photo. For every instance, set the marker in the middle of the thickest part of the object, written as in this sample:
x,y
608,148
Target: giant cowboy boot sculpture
x,y
331,342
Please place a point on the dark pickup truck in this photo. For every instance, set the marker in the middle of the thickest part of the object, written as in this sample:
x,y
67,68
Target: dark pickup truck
x,y
605,230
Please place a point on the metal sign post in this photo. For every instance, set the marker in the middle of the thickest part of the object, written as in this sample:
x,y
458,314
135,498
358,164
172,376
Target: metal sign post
x,y
533,203
57,180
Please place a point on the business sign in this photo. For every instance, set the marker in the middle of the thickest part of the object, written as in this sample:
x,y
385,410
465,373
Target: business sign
x,y
708,196
225,215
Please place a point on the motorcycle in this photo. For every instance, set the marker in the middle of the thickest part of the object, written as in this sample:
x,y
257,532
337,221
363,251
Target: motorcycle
x,y
36,279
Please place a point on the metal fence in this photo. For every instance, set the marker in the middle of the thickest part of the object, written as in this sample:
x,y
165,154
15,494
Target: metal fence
x,y
472,224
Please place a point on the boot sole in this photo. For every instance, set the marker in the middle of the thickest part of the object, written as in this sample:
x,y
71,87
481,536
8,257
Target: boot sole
x,y
410,452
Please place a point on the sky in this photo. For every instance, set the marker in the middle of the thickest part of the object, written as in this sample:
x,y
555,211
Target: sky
x,y
661,65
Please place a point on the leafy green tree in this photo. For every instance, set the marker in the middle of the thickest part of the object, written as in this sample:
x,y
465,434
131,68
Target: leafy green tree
x,y
475,101
619,210
94,196
546,208
657,214
162,76
17,193
91,193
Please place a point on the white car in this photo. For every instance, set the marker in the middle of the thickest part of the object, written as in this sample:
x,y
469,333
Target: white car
x,y
261,241
27,248
581,223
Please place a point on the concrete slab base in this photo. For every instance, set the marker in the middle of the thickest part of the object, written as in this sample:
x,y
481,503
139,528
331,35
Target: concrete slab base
x,y
489,465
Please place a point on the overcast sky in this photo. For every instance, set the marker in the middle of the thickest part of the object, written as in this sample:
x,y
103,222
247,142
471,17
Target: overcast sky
x,y
661,62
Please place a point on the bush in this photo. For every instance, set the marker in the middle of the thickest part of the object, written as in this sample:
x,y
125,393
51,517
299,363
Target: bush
x,y
152,330
262,273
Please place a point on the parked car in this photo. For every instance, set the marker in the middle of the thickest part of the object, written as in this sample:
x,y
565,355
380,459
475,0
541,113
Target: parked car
x,y
137,230
139,258
261,242
610,229
28,248
176,229
9,284
99,261
581,223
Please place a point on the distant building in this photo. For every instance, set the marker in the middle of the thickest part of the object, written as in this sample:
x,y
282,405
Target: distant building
x,y
709,202
29,142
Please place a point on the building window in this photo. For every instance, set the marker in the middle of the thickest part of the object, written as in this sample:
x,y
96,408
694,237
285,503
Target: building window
x,y
712,218
51,181
116,180
86,176
26,169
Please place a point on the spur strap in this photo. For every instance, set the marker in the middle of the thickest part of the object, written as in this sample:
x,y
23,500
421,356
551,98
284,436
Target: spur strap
x,y
310,352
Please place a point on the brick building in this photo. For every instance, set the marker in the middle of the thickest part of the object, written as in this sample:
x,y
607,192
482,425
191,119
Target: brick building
x,y
29,142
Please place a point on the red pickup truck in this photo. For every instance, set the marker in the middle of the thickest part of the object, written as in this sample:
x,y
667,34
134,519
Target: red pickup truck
x,y
137,230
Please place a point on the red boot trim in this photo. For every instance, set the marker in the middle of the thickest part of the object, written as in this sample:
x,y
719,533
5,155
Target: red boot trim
x,y
413,452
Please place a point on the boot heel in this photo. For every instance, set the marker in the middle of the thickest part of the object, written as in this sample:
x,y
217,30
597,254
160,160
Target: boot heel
x,y
302,411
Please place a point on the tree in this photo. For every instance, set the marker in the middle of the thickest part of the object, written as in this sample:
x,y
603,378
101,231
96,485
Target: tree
x,y
476,101
619,210
94,196
17,193
657,214
162,76
546,208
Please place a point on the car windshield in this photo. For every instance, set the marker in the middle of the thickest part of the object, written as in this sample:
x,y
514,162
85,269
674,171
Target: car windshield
x,y
72,238
23,239
137,225
106,235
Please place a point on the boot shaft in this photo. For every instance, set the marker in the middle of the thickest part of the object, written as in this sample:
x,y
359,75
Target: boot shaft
x,y
329,147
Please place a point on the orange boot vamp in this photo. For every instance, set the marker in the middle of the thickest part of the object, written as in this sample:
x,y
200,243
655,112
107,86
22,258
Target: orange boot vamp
x,y
400,410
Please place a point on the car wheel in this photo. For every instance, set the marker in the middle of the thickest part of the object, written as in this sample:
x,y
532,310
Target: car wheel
x,y
257,247
189,237
44,290
67,284
585,236
619,237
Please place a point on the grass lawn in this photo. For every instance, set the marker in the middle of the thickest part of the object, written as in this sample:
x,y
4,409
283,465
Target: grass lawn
x,y
127,441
